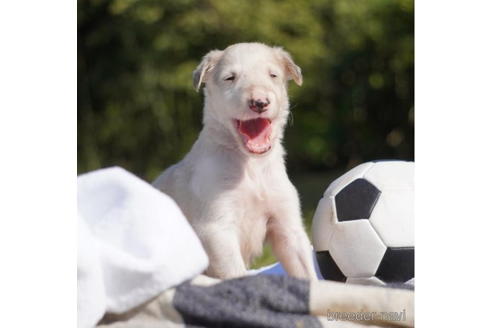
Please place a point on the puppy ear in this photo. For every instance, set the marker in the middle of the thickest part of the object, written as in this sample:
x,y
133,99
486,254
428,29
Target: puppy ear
x,y
207,64
293,71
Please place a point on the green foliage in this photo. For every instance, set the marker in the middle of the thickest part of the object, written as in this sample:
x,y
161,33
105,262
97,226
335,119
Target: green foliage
x,y
137,107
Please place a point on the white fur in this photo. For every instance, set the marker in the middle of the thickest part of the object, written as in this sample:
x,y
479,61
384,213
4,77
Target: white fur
x,y
234,199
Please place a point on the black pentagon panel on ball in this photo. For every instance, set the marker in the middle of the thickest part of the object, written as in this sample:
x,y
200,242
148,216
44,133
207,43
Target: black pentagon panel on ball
x,y
328,268
397,265
356,201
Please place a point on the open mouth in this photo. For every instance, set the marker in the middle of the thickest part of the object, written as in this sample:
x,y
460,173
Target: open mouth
x,y
255,134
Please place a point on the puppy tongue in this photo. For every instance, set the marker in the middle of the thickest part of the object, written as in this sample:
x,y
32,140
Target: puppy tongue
x,y
255,128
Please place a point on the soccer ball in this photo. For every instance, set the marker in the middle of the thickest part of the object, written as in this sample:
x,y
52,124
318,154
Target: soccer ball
x,y
363,225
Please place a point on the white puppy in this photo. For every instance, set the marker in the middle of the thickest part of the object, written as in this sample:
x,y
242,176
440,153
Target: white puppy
x,y
233,186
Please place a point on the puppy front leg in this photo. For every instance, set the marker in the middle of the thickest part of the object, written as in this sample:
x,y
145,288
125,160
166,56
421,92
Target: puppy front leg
x,y
293,250
224,252
289,241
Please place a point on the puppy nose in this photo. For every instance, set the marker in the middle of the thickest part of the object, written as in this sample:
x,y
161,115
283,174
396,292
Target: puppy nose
x,y
259,105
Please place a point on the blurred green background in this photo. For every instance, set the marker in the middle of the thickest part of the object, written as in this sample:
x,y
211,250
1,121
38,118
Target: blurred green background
x,y
137,107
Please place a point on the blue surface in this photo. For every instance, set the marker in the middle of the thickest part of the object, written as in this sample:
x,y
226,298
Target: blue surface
x,y
278,269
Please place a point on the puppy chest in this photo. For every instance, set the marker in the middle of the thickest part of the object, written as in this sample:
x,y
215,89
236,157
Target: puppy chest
x,y
253,199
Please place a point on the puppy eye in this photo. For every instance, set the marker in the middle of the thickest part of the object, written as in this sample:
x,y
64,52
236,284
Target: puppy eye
x,y
230,78
273,75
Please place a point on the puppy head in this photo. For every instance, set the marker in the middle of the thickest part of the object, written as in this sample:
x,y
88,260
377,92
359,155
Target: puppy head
x,y
246,92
